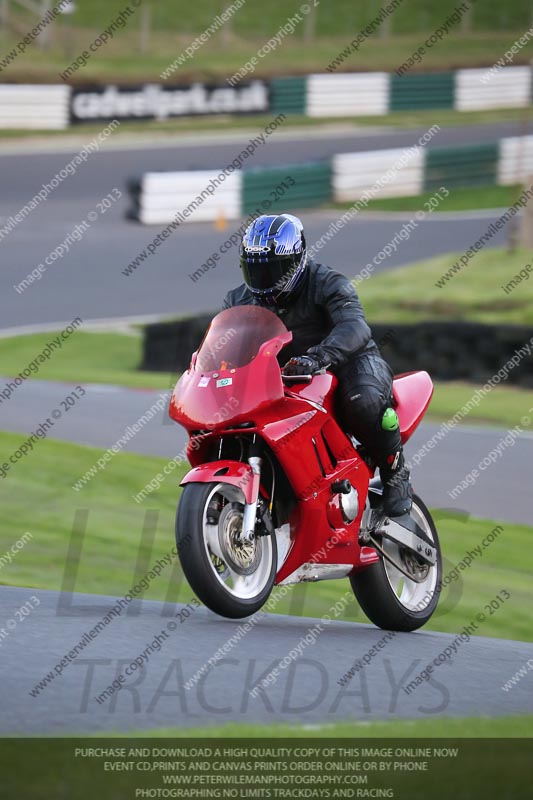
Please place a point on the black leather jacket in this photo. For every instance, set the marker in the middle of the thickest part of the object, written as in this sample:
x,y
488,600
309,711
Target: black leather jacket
x,y
326,317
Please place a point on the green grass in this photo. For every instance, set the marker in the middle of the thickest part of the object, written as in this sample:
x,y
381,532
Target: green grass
x,y
255,19
504,406
176,25
84,358
474,293
479,197
36,496
121,58
419,118
443,727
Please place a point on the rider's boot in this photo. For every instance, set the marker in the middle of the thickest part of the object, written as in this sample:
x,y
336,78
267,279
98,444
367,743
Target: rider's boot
x,y
397,492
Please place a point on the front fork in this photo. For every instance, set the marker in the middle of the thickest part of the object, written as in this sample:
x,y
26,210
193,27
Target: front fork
x,y
250,509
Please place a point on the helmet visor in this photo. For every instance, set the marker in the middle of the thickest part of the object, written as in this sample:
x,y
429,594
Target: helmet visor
x,y
264,276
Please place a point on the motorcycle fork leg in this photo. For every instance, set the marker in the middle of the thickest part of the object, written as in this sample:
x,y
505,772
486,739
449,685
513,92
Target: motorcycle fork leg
x,y
250,509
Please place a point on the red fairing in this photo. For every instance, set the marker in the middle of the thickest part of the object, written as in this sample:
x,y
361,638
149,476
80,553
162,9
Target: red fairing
x,y
235,371
233,472
412,393
233,388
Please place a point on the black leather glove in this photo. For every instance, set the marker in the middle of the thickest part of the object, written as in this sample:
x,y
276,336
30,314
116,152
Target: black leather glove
x,y
303,365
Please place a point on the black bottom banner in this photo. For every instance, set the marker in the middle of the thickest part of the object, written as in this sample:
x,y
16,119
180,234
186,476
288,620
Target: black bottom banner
x,y
127,769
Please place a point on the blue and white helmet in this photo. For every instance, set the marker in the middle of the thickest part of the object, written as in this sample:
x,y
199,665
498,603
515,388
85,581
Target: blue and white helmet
x,y
273,257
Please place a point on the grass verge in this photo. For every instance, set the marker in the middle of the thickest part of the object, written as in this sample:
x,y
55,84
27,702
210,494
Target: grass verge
x,y
121,59
443,727
114,532
469,199
504,406
86,358
475,293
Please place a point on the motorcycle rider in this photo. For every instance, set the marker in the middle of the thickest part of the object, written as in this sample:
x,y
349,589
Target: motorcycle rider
x,y
322,309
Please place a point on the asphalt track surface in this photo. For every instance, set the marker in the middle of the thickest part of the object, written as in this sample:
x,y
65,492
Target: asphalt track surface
x,y
103,414
306,691
88,280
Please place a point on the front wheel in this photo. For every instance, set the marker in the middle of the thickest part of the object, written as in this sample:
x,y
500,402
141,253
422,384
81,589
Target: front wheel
x,y
232,578
388,597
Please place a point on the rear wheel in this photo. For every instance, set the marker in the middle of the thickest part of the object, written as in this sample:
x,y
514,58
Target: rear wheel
x,y
232,578
388,597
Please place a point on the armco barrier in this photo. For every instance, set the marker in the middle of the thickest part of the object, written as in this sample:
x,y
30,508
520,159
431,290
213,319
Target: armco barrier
x,y
456,167
288,95
447,350
160,197
407,172
296,186
348,95
342,94
434,90
515,160
478,90
356,173
38,107
375,93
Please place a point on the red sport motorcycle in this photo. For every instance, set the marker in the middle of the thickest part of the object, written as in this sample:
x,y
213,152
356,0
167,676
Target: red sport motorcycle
x,y
278,493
